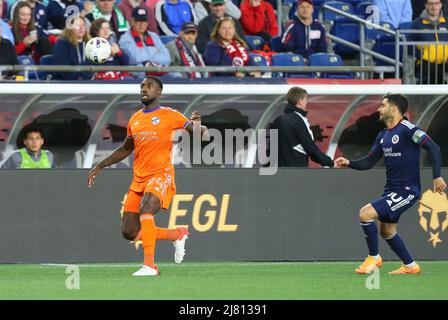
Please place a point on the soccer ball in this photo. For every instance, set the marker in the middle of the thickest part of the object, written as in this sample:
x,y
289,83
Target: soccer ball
x,y
97,50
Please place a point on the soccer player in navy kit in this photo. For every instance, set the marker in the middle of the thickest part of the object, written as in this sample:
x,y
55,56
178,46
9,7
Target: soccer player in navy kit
x,y
400,144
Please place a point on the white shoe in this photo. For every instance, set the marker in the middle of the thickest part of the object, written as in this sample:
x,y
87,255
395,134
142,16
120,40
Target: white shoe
x,y
179,246
146,271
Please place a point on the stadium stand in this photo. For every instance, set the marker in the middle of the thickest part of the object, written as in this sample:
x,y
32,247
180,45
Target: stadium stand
x,y
46,60
255,42
289,59
27,61
328,59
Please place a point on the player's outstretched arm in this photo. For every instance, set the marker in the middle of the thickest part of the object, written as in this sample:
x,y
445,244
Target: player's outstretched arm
x,y
195,126
119,154
436,159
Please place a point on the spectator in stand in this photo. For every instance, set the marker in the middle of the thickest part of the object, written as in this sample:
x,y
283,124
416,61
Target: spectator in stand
x,y
7,56
39,12
304,35
30,39
183,50
394,12
143,47
108,10
3,9
58,13
69,50
5,30
272,2
151,7
126,6
258,19
101,28
172,14
218,12
433,57
226,48
202,9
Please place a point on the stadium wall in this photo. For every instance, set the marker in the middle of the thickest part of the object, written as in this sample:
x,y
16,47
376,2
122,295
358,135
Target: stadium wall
x,y
233,214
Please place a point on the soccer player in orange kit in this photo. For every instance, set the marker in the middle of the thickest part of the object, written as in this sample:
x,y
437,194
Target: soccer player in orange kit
x,y
149,135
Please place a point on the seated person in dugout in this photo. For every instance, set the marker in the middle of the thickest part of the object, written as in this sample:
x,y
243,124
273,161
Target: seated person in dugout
x,y
32,156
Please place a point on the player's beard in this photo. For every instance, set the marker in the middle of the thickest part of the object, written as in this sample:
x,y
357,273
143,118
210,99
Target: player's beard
x,y
149,101
384,117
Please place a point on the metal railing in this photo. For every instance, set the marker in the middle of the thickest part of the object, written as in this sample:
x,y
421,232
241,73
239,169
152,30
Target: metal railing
x,y
363,50
403,59
419,65
182,69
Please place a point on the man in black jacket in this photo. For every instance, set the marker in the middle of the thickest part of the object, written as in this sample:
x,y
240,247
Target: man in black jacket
x,y
295,138
7,56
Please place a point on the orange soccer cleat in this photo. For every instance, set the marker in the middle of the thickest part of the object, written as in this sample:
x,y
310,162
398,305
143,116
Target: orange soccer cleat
x,y
407,270
369,264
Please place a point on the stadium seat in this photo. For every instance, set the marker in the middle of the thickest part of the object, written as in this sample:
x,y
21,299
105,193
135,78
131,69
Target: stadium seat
x,y
328,60
348,31
27,61
361,10
385,45
275,43
167,39
405,25
257,60
46,60
329,16
289,59
255,42
372,33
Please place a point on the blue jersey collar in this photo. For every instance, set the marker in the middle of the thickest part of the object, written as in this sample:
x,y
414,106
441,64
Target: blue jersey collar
x,y
151,110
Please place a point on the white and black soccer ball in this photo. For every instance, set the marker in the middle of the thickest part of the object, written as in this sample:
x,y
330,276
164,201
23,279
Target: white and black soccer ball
x,y
97,50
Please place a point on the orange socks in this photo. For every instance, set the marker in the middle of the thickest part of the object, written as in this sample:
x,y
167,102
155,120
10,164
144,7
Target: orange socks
x,y
162,234
148,232
167,234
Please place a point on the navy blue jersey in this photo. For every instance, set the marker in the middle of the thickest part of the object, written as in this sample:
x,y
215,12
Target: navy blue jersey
x,y
400,147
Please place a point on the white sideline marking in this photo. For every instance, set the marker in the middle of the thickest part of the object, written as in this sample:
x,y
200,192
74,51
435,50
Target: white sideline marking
x,y
193,264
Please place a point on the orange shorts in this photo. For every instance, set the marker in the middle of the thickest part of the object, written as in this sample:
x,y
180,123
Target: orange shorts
x,y
160,184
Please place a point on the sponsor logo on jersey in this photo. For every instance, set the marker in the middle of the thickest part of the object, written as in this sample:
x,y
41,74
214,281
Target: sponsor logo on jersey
x,y
395,139
418,136
388,152
433,213
155,120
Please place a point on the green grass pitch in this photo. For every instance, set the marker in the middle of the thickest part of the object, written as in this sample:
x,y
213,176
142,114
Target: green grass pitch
x,y
223,280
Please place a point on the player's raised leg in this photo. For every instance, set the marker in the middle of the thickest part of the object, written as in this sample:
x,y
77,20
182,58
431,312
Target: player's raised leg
x,y
178,235
389,233
130,225
367,220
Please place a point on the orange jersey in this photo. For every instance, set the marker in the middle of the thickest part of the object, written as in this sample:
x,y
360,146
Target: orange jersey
x,y
152,131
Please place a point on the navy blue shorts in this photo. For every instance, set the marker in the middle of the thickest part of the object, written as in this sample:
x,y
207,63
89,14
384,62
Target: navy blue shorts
x,y
392,204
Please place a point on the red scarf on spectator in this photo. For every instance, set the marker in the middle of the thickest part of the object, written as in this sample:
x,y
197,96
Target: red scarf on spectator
x,y
189,57
149,42
238,53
